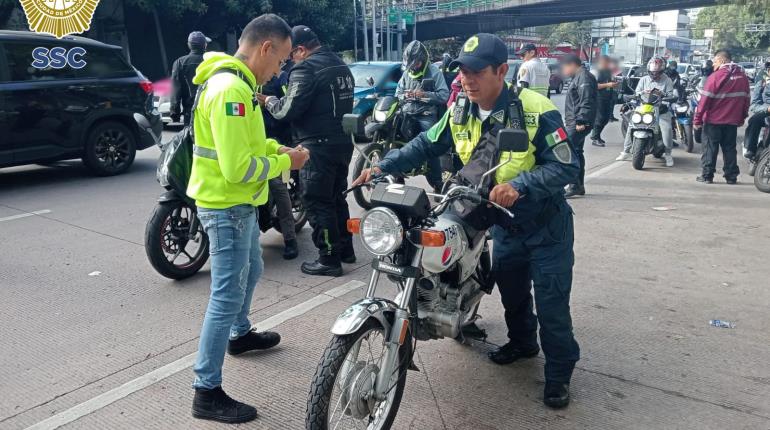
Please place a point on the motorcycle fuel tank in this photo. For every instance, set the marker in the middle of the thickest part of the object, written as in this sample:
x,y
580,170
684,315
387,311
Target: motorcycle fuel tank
x,y
439,259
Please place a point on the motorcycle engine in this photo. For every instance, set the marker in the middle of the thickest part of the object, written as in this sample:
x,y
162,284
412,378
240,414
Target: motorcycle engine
x,y
443,305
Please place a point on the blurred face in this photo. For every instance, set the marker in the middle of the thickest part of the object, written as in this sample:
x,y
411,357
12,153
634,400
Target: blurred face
x,y
266,59
483,86
569,69
718,61
604,64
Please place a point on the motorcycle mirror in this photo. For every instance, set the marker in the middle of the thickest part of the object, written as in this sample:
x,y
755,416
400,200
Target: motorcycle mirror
x,y
353,124
513,140
428,84
370,81
142,121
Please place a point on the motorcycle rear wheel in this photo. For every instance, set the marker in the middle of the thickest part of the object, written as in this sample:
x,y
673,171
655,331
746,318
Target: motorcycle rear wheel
x,y
298,210
638,153
373,152
762,173
166,240
688,138
330,388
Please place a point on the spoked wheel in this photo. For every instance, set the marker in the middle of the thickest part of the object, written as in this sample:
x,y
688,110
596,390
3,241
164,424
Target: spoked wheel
x,y
341,393
372,154
173,249
762,173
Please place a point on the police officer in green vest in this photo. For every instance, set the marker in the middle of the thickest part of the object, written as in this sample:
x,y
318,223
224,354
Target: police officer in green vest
x,y
537,249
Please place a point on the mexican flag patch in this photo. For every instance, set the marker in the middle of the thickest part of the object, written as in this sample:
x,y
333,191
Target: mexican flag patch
x,y
235,109
557,136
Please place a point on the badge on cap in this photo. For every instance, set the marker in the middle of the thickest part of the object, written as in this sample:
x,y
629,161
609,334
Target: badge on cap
x,y
471,44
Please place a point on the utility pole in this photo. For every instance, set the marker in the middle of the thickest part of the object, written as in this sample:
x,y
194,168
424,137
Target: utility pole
x,y
355,31
374,30
388,44
366,32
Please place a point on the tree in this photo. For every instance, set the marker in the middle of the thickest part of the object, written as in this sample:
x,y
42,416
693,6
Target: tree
x,y
729,22
575,33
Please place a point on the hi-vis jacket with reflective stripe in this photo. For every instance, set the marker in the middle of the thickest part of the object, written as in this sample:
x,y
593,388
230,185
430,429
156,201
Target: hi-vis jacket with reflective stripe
x,y
232,158
541,173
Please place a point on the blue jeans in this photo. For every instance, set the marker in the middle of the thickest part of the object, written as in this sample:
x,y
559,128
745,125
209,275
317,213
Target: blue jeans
x,y
236,265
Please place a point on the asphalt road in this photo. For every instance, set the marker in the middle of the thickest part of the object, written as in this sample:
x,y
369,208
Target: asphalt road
x,y
92,337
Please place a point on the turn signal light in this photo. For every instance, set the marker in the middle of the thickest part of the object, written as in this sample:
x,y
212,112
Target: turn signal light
x,y
432,238
354,225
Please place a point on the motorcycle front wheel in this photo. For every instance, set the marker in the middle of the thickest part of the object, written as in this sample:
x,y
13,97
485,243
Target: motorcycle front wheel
x,y
339,394
638,153
762,173
689,141
172,250
372,154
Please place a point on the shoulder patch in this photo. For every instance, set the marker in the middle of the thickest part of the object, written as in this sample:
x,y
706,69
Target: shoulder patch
x,y
530,119
235,109
556,137
563,153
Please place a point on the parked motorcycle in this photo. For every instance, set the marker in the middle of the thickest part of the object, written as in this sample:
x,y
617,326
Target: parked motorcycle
x,y
391,127
174,239
645,127
440,261
760,168
684,110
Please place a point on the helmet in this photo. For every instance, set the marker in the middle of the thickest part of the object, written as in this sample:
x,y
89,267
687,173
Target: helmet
x,y
672,64
707,68
446,59
655,67
415,59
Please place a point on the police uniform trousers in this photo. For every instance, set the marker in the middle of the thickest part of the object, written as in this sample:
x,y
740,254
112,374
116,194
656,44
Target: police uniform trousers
x,y
578,140
539,259
323,179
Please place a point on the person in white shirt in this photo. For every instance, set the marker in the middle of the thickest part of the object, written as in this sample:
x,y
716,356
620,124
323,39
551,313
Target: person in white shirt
x,y
533,74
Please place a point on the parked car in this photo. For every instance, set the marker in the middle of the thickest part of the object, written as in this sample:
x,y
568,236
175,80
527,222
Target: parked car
x,y
52,113
687,70
373,79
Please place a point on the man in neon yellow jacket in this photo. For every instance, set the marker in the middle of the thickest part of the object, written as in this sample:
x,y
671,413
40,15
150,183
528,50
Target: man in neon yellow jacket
x,y
232,162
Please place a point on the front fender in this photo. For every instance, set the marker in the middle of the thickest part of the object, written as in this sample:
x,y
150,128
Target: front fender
x,y
352,318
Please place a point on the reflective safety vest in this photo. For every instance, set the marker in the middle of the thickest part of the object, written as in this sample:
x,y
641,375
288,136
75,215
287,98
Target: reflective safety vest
x,y
466,136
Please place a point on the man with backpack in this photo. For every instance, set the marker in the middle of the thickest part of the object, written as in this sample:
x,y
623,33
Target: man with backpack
x,y
232,162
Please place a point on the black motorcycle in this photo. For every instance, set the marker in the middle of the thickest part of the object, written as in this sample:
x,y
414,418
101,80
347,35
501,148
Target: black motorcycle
x,y
760,167
174,239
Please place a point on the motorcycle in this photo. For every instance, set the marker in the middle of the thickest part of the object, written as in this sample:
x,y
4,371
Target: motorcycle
x,y
174,239
684,110
440,261
645,127
391,127
760,168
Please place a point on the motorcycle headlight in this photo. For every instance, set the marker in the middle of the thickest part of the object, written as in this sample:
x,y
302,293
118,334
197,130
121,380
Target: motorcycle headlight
x,y
380,115
636,118
647,118
681,108
381,231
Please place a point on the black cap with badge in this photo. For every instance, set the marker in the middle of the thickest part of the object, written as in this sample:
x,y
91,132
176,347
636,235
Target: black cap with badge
x,y
480,51
302,35
526,48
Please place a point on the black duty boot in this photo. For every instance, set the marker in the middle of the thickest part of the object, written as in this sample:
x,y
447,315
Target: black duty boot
x,y
253,340
216,405
556,395
320,269
574,190
705,180
290,251
731,181
511,352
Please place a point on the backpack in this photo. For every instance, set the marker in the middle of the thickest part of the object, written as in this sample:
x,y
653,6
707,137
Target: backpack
x,y
175,162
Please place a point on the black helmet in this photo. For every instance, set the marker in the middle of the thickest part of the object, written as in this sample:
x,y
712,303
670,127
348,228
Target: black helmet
x,y
707,68
415,59
672,64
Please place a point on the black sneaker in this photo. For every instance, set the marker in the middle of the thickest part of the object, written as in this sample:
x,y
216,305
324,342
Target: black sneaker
x,y
598,142
556,395
705,180
731,181
511,352
290,251
216,405
320,269
349,257
253,340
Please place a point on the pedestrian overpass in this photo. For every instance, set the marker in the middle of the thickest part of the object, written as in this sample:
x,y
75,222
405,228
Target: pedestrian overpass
x,y
446,18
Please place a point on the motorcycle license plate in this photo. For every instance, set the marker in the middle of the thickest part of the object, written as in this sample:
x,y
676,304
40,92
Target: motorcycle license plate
x,y
641,134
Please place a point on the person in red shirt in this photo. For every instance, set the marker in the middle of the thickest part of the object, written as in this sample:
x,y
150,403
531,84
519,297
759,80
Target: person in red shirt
x,y
724,105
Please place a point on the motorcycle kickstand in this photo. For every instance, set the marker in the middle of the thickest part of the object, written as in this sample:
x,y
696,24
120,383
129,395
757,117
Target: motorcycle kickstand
x,y
470,330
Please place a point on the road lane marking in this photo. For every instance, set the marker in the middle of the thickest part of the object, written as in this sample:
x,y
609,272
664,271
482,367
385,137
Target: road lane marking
x,y
604,170
25,215
89,406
